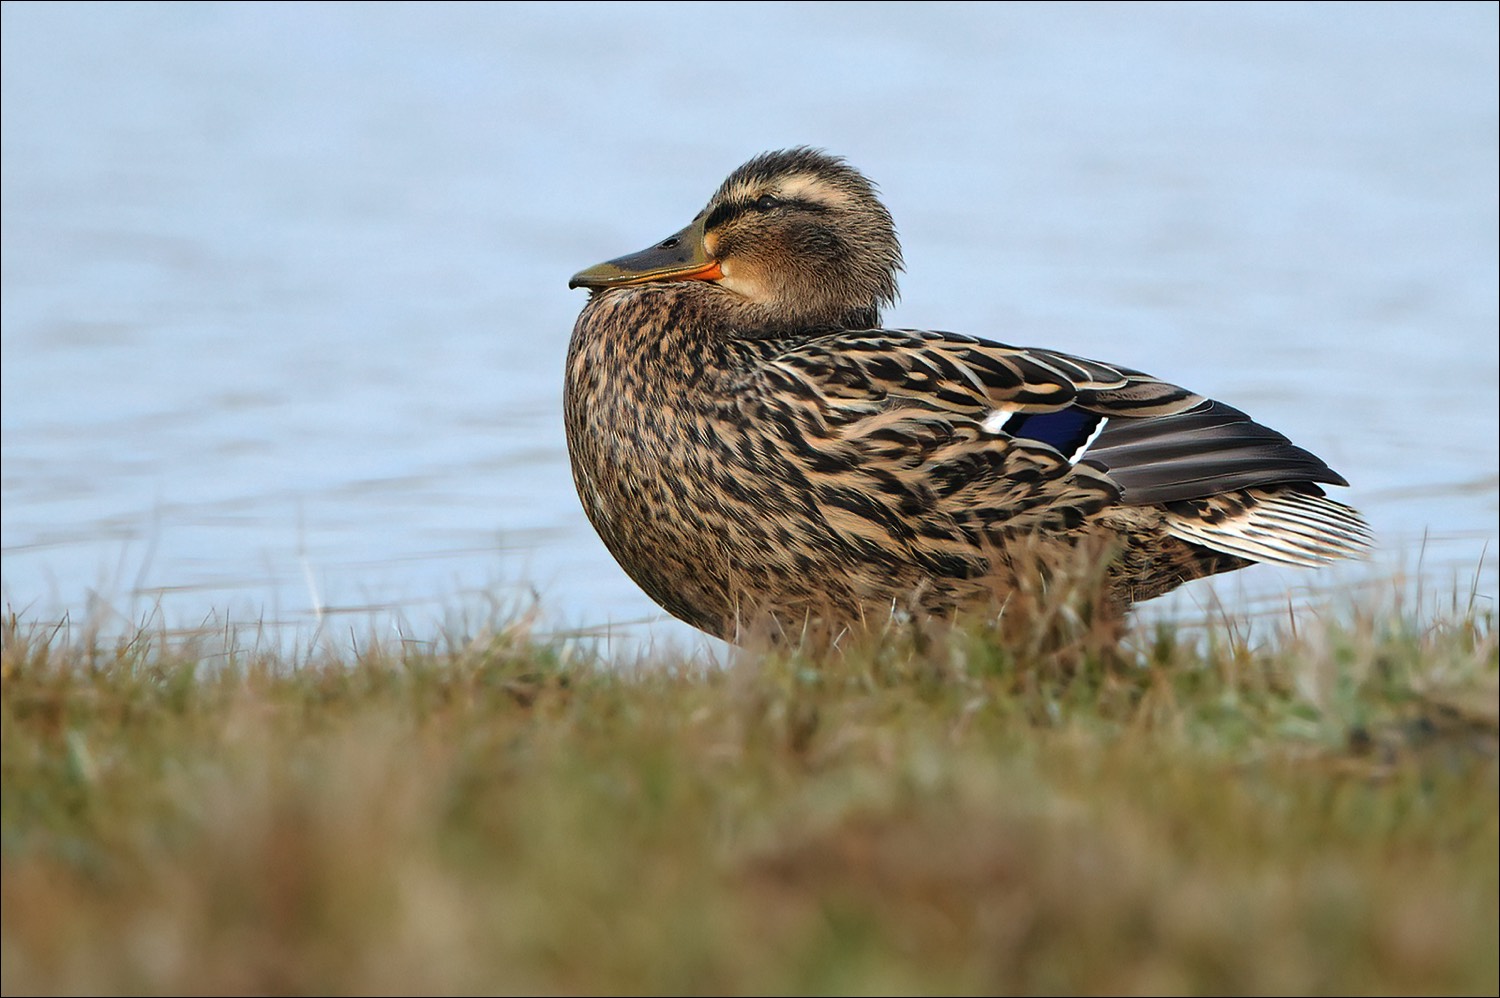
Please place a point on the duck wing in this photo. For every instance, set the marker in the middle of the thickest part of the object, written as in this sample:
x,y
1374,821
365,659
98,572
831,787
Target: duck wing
x,y
978,417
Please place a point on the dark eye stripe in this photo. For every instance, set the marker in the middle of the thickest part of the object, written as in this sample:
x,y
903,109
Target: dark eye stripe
x,y
725,212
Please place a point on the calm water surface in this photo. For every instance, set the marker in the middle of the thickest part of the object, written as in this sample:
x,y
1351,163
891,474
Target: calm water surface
x,y
284,287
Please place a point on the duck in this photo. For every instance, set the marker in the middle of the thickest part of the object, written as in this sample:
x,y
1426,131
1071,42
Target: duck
x,y
758,452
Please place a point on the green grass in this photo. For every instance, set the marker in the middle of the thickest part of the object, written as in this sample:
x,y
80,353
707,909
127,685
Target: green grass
x,y
933,811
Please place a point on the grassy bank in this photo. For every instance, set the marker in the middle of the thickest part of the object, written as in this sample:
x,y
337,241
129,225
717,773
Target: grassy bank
x,y
935,812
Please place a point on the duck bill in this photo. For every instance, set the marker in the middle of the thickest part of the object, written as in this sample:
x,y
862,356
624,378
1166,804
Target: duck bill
x,y
682,257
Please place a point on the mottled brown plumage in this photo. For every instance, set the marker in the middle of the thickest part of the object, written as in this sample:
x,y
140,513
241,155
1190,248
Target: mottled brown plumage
x,y
754,449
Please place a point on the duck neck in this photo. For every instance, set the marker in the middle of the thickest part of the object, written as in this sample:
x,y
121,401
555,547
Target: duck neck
x,y
643,342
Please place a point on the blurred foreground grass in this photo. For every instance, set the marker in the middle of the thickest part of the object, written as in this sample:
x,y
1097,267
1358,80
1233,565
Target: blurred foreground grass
x,y
939,811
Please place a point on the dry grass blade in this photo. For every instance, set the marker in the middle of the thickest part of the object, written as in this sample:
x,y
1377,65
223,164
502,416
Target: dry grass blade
x,y
975,807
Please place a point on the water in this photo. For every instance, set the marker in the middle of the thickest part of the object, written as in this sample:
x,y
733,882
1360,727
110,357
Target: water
x,y
284,286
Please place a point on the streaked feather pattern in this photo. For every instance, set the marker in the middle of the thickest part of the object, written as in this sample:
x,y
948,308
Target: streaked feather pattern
x,y
1287,527
747,450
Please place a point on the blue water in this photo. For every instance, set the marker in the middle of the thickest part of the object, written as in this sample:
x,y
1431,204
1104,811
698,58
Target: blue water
x,y
284,286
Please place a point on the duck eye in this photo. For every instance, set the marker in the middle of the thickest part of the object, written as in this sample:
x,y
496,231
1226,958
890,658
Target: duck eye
x,y
766,202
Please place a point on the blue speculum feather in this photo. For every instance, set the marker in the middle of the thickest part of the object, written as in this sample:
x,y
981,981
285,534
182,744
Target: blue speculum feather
x,y
1070,431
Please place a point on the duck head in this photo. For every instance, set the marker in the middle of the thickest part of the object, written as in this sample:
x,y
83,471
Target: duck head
x,y
797,238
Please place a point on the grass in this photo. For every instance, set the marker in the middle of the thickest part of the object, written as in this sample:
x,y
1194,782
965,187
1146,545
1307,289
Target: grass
x,y
973,810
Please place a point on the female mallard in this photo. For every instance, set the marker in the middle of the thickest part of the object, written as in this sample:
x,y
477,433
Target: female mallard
x,y
753,447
